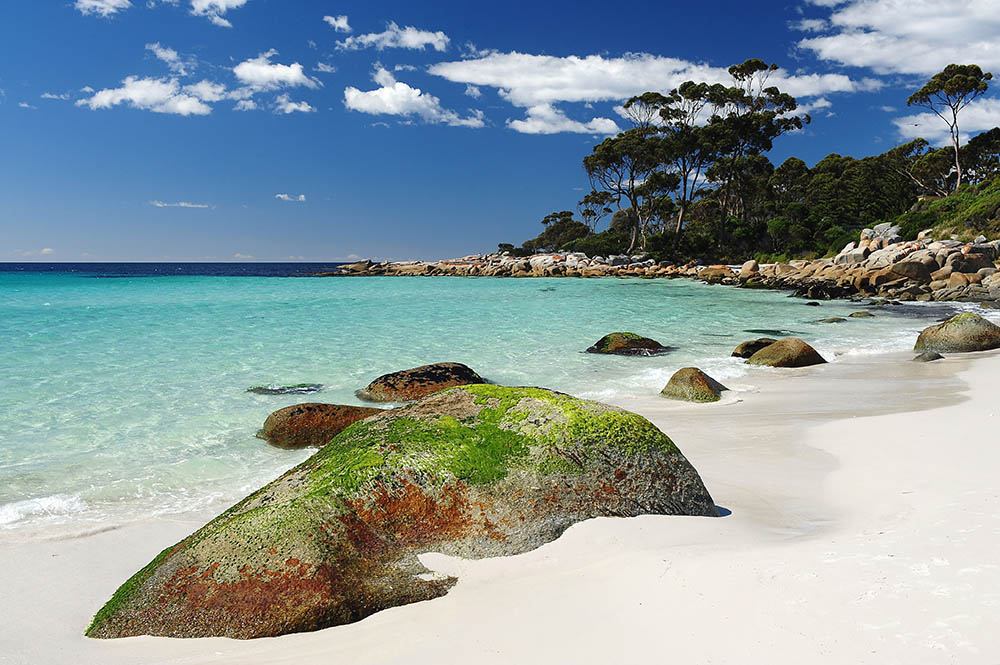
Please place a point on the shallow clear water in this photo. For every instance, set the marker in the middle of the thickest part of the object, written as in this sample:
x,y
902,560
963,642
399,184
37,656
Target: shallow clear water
x,y
126,398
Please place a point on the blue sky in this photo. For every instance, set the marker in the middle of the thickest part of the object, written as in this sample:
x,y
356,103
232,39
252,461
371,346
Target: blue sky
x,y
326,130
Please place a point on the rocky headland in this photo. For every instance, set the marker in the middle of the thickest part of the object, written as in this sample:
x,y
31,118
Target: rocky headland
x,y
880,263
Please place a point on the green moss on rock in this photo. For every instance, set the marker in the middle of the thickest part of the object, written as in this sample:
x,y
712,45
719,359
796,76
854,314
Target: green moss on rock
x,y
961,333
475,471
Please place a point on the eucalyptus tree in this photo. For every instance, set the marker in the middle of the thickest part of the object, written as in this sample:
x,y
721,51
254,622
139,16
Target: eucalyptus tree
x,y
749,115
981,156
620,166
594,207
946,94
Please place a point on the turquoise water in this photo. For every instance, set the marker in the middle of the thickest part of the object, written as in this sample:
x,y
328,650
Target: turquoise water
x,y
122,399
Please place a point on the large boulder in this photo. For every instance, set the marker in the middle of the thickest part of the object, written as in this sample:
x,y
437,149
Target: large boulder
x,y
475,471
959,334
412,384
747,349
787,352
311,424
628,344
690,384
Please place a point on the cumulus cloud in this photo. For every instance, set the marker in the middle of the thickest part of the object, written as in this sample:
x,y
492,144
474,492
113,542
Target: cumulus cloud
x,y
172,59
338,23
547,119
396,37
284,104
473,91
261,74
207,91
51,95
214,9
301,198
179,204
537,83
26,105
397,98
979,116
912,37
324,68
150,94
528,80
103,8
245,105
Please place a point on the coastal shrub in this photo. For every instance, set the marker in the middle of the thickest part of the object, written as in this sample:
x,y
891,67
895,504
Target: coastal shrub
x,y
599,244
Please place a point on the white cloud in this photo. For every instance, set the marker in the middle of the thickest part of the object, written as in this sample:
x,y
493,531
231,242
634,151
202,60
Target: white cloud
x,y
810,25
283,104
324,68
547,119
245,105
289,197
404,68
539,82
172,59
242,257
911,36
214,9
528,80
52,95
397,98
207,91
26,105
814,105
979,116
473,91
261,74
150,94
338,23
47,250
179,204
103,8
396,37
86,89
888,109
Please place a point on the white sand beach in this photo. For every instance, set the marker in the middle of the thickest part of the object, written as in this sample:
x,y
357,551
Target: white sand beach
x,y
864,528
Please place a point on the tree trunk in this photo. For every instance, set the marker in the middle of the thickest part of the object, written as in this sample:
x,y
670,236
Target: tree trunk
x,y
954,142
680,225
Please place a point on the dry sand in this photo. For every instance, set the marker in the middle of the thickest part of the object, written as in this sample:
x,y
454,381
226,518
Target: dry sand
x,y
865,528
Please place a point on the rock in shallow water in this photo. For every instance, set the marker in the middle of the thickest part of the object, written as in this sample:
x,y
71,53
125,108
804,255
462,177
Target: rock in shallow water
x,y
690,384
298,389
628,344
411,384
928,357
474,471
312,424
960,334
747,349
787,352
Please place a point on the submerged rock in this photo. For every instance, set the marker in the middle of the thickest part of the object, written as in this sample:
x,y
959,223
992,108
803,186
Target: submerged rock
x,y
311,424
961,333
862,315
297,389
928,357
411,384
747,349
833,319
787,352
693,385
628,344
475,471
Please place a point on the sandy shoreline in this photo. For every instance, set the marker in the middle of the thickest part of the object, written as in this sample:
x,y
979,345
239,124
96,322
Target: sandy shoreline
x,y
865,527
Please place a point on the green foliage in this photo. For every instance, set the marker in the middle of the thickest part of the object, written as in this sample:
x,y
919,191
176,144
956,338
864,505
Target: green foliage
x,y
600,244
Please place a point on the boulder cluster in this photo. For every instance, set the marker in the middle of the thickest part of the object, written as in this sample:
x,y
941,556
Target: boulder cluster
x,y
881,265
